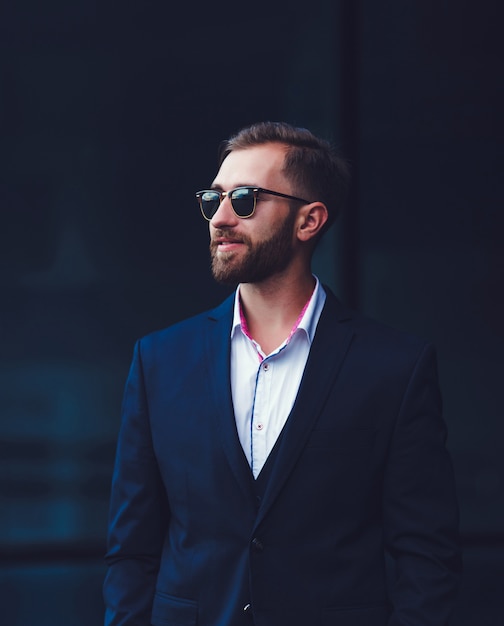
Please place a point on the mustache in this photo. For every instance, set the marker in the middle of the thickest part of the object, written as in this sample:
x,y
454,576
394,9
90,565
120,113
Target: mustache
x,y
227,233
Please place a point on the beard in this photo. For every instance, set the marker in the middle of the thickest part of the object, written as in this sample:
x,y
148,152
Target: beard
x,y
260,261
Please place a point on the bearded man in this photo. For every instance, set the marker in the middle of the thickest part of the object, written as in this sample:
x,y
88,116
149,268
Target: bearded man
x,y
275,452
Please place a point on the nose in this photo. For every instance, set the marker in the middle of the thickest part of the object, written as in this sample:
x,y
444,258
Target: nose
x,y
224,216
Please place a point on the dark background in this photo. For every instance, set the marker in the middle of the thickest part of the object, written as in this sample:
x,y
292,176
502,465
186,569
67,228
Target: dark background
x,y
110,120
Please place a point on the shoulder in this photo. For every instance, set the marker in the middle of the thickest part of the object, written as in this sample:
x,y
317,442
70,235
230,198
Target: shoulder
x,y
187,332
370,336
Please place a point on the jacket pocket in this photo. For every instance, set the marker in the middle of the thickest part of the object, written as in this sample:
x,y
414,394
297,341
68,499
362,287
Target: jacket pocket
x,y
172,611
365,616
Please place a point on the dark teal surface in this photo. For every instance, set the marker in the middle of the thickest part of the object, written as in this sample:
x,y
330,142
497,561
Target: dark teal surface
x,y
110,120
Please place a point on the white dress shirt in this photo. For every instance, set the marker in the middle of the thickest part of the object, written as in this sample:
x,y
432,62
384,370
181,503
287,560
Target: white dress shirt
x,y
264,387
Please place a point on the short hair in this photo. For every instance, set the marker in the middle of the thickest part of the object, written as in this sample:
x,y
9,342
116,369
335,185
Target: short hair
x,y
314,167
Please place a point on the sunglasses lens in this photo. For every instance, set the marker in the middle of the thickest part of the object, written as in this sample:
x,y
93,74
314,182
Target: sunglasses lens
x,y
209,202
243,201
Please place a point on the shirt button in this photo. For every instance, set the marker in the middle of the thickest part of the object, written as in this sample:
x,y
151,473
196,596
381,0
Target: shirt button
x,y
266,367
259,426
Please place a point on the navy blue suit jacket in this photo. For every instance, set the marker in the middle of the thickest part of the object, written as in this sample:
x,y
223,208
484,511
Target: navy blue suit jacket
x,y
361,471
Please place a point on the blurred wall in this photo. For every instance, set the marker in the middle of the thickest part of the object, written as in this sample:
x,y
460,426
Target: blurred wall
x,y
110,121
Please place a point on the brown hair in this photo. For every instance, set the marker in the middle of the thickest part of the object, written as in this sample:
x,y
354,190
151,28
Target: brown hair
x,y
311,164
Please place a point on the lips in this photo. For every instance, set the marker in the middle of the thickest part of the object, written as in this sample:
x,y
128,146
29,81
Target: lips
x,y
226,242
227,245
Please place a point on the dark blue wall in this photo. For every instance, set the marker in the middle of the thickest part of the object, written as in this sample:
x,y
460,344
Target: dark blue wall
x,y
110,120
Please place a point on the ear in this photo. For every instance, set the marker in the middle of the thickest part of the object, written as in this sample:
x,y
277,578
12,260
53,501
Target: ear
x,y
311,219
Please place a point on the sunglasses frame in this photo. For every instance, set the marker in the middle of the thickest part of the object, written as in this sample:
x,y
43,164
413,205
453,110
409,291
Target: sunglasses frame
x,y
228,194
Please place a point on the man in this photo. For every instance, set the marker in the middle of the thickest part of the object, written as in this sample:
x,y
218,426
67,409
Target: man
x,y
274,450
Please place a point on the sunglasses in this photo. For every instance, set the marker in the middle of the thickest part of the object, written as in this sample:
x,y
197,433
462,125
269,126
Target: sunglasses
x,y
243,200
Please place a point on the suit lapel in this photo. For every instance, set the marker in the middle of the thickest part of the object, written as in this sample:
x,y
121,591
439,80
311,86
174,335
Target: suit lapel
x,y
218,356
330,345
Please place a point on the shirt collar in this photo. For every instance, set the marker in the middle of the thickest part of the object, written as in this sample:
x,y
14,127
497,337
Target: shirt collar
x,y
308,322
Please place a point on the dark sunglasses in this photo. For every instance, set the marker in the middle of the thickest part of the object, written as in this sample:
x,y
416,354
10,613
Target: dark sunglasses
x,y
243,200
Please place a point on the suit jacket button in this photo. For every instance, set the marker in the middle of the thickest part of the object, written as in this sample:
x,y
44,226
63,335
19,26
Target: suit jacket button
x,y
257,545
247,609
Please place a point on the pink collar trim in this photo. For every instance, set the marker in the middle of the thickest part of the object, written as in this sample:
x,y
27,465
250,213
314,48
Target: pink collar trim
x,y
246,331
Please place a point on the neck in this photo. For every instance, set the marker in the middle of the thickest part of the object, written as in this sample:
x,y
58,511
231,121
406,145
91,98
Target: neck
x,y
272,308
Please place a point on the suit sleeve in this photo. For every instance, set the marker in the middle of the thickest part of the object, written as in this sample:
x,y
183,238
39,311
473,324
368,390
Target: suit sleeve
x,y
420,507
139,513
